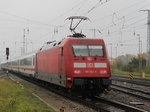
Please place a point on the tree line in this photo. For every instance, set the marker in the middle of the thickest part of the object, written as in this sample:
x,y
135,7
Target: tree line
x,y
131,63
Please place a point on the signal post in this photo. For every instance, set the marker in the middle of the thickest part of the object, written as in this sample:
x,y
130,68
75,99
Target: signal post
x,y
7,57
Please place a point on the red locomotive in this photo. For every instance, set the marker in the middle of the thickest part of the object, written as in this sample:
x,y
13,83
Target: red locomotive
x,y
75,63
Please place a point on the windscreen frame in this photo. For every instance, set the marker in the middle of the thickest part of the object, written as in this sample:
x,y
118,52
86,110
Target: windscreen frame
x,y
88,53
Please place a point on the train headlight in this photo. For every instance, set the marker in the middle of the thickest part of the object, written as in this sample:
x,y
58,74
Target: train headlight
x,y
68,78
103,71
77,71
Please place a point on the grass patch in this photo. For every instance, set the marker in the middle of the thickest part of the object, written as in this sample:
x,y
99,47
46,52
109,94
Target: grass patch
x,y
15,99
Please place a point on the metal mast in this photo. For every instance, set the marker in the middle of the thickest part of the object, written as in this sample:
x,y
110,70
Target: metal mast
x,y
23,49
148,36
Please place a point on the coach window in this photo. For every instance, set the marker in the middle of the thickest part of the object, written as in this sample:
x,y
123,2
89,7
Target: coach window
x,y
21,62
33,61
28,61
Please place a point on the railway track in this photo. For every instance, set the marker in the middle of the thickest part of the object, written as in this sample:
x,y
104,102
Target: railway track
x,y
100,104
137,81
127,75
114,106
134,92
143,79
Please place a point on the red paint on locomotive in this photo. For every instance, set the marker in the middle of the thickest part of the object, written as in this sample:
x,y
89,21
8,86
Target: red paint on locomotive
x,y
61,61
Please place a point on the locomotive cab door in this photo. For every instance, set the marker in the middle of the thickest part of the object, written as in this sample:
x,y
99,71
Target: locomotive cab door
x,y
61,67
61,61
36,65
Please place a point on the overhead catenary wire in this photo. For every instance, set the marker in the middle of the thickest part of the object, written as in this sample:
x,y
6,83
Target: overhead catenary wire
x,y
118,23
127,20
123,24
99,3
81,6
131,6
66,12
35,21
116,31
124,21
26,19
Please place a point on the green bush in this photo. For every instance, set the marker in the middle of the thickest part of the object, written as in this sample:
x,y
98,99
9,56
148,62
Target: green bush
x,y
147,69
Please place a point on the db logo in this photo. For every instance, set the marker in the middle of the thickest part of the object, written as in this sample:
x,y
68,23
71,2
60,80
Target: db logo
x,y
90,65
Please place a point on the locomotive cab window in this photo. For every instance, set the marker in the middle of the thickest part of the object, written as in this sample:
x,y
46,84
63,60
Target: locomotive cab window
x,y
80,50
62,51
96,50
88,50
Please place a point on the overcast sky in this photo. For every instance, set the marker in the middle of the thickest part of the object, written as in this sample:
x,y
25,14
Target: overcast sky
x,y
116,21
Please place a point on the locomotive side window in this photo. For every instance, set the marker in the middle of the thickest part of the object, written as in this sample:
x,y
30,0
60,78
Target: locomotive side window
x,y
96,50
88,50
80,50
62,51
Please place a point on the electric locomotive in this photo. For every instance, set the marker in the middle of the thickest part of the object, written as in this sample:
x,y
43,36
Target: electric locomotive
x,y
75,63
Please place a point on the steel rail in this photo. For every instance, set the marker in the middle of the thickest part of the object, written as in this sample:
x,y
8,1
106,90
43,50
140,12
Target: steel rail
x,y
133,81
134,92
123,106
141,79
